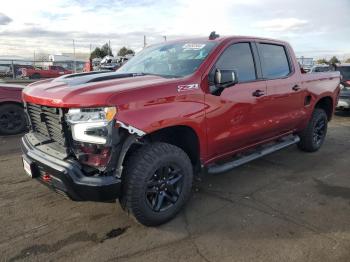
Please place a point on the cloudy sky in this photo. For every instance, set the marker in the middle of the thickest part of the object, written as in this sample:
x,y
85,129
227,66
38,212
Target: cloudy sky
x,y
314,27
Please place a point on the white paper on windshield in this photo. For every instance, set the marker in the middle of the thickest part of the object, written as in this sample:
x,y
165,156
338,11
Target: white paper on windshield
x,y
193,46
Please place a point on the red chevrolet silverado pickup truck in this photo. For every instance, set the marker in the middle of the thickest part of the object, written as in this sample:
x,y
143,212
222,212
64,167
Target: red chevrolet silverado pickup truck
x,y
50,72
176,109
12,116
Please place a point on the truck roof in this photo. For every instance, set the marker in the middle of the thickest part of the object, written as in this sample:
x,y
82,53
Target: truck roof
x,y
232,37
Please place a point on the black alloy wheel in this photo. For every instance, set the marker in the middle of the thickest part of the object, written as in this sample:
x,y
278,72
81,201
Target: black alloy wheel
x,y
319,131
164,188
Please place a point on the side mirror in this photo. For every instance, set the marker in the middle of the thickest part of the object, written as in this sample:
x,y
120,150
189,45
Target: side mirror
x,y
225,78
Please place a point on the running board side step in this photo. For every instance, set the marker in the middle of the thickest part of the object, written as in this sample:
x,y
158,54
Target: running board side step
x,y
265,150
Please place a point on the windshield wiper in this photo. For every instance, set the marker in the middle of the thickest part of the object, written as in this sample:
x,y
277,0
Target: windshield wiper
x,y
152,74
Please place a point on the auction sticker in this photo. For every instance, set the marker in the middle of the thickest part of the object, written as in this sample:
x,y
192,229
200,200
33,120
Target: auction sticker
x,y
193,46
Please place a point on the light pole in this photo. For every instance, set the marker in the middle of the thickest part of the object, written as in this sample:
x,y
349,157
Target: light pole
x,y
75,65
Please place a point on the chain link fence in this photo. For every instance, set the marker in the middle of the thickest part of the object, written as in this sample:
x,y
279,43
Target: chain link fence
x,y
13,69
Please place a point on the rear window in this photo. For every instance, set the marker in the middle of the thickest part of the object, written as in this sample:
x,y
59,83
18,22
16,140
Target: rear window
x,y
274,61
345,72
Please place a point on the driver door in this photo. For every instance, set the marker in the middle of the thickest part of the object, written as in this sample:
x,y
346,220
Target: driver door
x,y
236,118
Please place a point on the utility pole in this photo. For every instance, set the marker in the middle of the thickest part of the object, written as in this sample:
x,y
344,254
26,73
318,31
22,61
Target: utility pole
x,y
75,65
109,47
34,59
164,36
144,41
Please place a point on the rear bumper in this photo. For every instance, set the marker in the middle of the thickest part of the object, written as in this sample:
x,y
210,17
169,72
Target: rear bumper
x,y
68,178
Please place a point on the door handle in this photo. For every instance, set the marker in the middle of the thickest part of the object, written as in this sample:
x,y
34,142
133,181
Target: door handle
x,y
296,88
258,93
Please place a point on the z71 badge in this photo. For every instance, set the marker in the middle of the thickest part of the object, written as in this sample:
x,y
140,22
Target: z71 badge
x,y
183,88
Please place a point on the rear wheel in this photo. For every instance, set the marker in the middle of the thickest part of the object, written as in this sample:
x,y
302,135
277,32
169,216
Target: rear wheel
x,y
12,119
313,136
157,183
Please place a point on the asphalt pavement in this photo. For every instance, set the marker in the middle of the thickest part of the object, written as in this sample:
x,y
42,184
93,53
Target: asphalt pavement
x,y
288,206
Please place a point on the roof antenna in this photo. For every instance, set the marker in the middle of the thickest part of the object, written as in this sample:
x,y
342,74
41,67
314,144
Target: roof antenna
x,y
213,35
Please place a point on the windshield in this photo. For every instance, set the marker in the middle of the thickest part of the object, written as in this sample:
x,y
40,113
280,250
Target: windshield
x,y
345,72
170,59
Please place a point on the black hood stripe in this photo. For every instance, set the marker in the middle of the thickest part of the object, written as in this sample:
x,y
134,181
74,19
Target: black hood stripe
x,y
91,77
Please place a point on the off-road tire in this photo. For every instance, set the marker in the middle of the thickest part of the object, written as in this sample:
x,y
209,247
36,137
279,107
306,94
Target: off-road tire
x,y
307,136
140,168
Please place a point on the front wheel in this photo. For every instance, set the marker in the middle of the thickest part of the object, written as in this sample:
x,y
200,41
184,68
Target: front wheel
x,y
313,136
157,183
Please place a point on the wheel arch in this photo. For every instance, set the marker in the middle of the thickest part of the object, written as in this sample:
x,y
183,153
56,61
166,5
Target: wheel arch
x,y
182,136
326,103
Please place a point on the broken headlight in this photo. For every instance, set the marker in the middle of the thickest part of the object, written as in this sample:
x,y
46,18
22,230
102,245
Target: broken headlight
x,y
91,125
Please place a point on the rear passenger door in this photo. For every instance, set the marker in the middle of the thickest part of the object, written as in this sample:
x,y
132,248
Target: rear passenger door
x,y
284,92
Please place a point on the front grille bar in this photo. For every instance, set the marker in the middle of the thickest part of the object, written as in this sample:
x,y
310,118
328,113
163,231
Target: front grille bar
x,y
48,122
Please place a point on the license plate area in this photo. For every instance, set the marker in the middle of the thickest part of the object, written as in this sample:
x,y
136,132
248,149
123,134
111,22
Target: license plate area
x,y
28,167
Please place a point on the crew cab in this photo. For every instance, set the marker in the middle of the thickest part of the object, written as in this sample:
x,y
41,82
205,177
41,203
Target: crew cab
x,y
12,117
49,72
175,110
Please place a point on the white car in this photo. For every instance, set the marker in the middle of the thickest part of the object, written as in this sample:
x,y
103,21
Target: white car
x,y
344,98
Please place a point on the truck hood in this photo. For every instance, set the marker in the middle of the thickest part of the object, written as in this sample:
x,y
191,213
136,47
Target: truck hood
x,y
87,89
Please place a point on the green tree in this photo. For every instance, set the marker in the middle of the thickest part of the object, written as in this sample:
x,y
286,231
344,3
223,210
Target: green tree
x,y
347,60
101,52
106,49
334,60
96,53
322,61
125,51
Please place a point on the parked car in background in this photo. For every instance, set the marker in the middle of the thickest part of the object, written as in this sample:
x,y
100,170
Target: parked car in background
x,y
142,133
49,72
109,63
17,70
344,98
321,68
12,117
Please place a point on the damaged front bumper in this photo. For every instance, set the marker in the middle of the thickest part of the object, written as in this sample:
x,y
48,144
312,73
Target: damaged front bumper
x,y
67,177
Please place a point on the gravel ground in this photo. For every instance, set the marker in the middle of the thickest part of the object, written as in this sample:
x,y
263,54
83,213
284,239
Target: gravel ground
x,y
288,206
